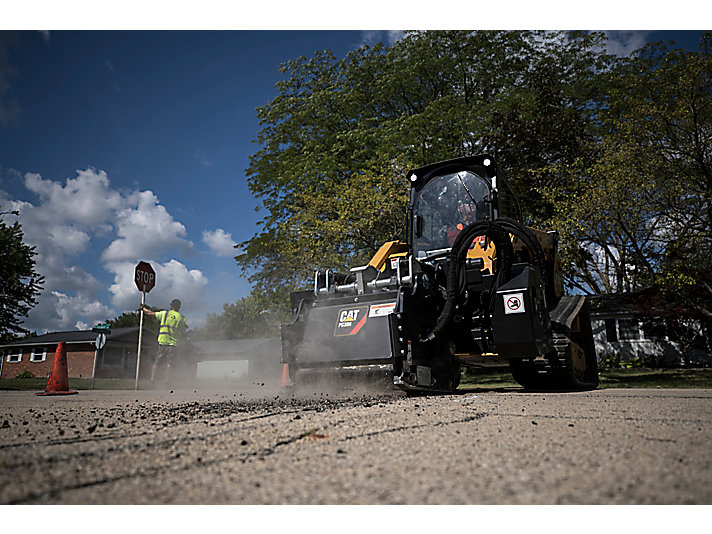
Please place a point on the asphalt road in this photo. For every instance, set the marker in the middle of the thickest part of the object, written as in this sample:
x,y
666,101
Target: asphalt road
x,y
257,447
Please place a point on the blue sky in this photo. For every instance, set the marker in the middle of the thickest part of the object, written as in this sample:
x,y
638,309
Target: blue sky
x,y
120,146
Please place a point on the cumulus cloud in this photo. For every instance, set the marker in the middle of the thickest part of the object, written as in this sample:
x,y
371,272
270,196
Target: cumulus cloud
x,y
145,228
65,225
219,242
86,199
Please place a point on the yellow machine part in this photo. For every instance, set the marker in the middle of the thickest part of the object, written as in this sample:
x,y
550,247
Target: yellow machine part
x,y
388,249
483,249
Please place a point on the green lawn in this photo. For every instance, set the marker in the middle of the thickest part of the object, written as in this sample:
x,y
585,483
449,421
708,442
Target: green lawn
x,y
498,378
610,378
38,384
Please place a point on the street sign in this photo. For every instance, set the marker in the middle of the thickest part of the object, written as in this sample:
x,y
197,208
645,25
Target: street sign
x,y
100,341
145,277
102,328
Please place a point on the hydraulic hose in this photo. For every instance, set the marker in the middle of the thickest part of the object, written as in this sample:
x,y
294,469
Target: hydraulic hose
x,y
457,256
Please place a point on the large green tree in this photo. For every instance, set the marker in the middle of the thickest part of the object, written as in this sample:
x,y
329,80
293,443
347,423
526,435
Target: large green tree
x,y
20,284
641,215
337,139
257,315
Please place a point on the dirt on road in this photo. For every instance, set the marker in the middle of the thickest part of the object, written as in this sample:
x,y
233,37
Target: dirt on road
x,y
263,447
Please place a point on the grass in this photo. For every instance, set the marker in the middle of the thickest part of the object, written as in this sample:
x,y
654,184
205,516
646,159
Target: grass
x,y
656,378
609,378
495,378
39,384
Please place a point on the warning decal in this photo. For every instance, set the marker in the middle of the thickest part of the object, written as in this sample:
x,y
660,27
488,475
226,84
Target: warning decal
x,y
350,320
381,310
513,303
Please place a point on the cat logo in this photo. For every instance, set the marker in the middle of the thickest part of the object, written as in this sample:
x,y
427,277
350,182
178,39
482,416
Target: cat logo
x,y
350,320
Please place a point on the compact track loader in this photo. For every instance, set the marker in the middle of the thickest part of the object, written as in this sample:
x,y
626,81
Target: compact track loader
x,y
472,287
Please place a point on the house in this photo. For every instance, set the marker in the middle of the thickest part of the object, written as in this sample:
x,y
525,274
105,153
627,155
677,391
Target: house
x,y
117,359
622,330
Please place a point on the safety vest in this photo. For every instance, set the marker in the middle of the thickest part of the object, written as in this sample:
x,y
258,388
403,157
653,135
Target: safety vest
x,y
172,326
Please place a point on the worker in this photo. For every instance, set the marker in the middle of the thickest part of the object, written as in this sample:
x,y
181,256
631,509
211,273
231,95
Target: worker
x,y
466,214
171,332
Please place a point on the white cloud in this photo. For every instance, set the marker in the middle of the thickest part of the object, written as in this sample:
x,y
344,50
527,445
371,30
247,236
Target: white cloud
x,y
173,280
220,242
87,199
622,43
67,221
387,37
145,229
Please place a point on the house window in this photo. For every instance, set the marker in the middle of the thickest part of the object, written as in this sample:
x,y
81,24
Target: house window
x,y
14,357
38,355
611,333
629,329
654,329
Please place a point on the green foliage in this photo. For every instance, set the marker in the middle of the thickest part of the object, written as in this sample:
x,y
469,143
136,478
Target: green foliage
x,y
338,138
256,316
133,320
612,360
20,284
25,374
638,213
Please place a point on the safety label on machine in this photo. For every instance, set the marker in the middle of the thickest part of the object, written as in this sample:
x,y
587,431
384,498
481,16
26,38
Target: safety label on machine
x,y
350,320
381,310
513,303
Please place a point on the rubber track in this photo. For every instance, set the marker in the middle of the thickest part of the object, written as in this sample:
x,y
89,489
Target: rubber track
x,y
557,368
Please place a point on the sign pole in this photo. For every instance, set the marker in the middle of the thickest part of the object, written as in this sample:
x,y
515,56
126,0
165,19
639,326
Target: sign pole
x,y
93,371
140,335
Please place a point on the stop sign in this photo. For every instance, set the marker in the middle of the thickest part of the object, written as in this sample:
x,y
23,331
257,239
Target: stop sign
x,y
145,277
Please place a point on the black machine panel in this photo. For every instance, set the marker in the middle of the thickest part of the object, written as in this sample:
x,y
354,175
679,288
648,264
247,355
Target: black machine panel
x,y
344,331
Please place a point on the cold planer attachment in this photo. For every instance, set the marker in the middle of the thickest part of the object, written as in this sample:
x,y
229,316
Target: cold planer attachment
x,y
341,327
473,286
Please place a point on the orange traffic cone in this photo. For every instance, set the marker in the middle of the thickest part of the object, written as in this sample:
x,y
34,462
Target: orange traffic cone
x,y
58,382
286,381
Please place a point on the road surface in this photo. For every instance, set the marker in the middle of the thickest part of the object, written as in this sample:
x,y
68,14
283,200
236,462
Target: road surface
x,y
501,446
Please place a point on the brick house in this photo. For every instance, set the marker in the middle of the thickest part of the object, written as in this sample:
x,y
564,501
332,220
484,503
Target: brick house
x,y
117,359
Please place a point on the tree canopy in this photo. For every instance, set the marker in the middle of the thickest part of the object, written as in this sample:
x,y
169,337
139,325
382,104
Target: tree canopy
x,y
640,215
337,139
614,153
20,284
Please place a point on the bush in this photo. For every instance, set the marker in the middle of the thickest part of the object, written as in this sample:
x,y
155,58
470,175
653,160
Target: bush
x,y
25,374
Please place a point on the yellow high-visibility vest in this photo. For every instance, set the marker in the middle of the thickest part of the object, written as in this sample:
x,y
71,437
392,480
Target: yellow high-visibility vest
x,y
172,327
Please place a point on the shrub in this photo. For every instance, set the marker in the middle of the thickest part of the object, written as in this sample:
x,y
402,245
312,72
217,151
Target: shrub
x,y
25,374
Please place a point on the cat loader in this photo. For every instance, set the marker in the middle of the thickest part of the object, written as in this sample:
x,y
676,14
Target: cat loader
x,y
472,287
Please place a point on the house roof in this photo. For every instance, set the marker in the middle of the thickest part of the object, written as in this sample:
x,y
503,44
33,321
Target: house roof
x,y
646,302
72,337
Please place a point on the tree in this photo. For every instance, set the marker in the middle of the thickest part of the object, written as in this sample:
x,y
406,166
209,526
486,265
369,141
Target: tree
x,y
641,212
20,284
257,315
133,320
340,134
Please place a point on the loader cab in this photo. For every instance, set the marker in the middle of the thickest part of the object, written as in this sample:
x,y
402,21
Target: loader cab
x,y
447,196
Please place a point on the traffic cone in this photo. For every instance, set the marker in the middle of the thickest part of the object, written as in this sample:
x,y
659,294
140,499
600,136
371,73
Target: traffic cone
x,y
286,381
58,382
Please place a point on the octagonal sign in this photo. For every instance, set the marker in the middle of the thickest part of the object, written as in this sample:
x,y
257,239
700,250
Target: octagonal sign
x,y
144,276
